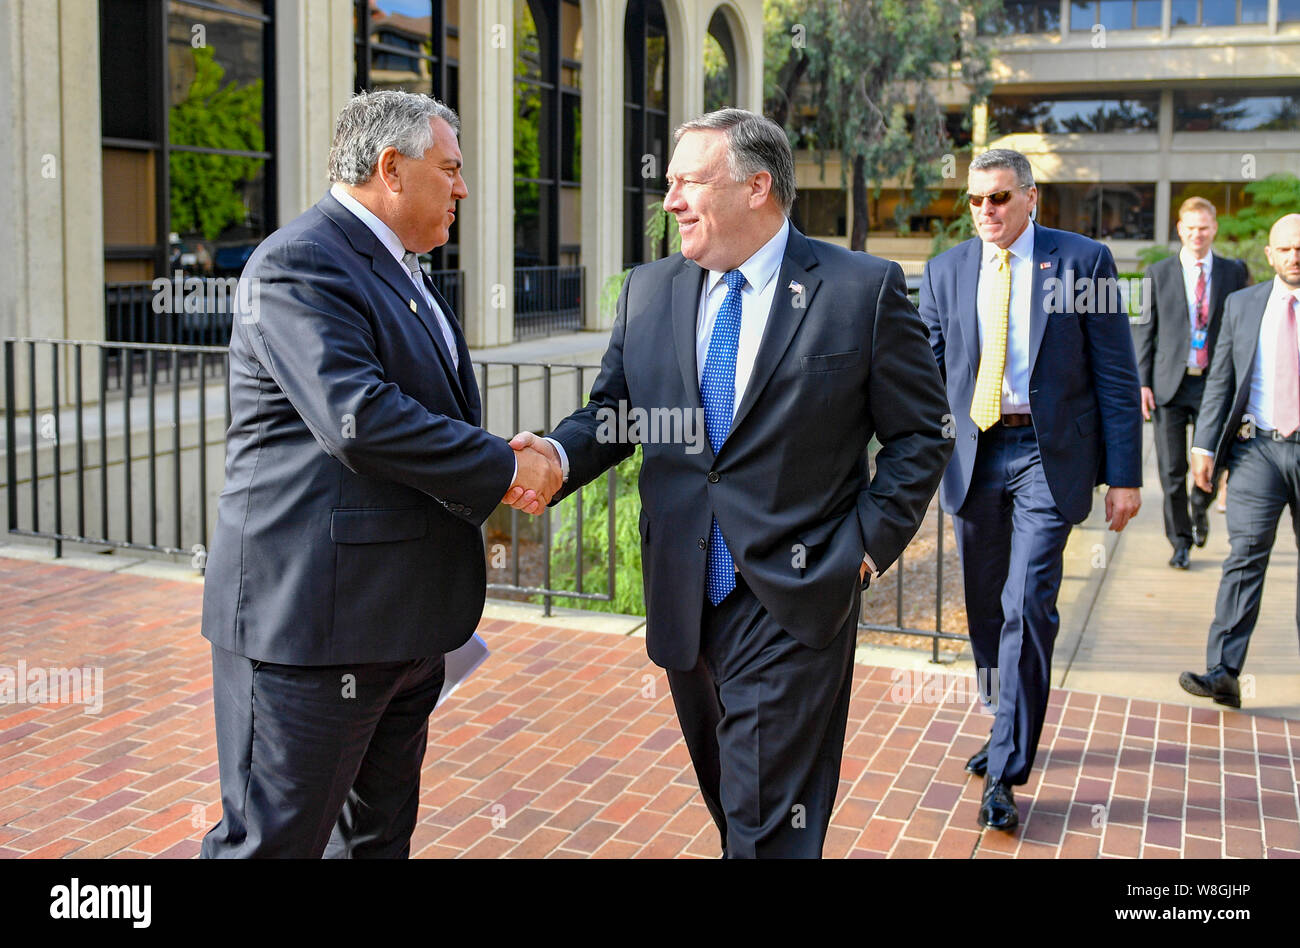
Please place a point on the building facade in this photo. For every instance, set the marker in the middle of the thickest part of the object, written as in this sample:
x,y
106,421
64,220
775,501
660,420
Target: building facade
x,y
151,138
1124,108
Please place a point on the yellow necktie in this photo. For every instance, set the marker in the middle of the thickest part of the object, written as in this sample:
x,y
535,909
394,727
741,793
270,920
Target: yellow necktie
x,y
986,406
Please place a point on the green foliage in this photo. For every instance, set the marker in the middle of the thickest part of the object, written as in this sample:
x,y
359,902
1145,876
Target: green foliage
x,y
658,223
717,78
870,69
207,191
629,591
1270,198
949,235
1154,254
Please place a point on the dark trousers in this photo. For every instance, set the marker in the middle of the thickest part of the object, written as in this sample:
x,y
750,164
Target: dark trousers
x,y
319,760
1011,539
764,717
1171,422
1264,480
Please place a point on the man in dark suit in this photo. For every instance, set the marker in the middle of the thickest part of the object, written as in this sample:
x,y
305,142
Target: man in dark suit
x,y
1027,326
755,544
347,557
1250,423
1175,342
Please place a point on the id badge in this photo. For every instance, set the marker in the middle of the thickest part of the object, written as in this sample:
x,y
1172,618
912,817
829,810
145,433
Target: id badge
x,y
1198,338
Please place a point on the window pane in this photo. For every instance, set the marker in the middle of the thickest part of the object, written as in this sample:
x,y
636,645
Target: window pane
x,y
571,142
1117,14
1148,13
127,81
217,89
1182,12
1069,207
717,75
218,208
1254,11
532,158
656,51
528,225
1049,16
1013,114
129,197
822,212
528,43
1288,11
1219,110
1128,211
1218,12
1083,15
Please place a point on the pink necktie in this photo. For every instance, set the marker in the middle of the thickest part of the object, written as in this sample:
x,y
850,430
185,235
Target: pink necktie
x,y
1286,374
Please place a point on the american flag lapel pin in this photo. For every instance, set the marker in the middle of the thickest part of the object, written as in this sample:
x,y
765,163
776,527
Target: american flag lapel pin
x,y
1045,265
796,287
414,308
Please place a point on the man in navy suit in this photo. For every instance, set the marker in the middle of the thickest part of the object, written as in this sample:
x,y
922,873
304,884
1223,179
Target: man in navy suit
x,y
756,545
1035,349
347,558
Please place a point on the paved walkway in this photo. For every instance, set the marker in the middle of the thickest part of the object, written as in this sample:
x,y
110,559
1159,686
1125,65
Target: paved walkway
x,y
564,744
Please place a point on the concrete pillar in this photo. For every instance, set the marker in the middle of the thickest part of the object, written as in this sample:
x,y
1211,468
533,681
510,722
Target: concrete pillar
x,y
315,71
1165,132
602,155
487,132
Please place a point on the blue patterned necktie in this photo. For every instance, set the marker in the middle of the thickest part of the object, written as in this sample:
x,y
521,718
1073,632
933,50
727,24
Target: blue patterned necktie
x,y
718,393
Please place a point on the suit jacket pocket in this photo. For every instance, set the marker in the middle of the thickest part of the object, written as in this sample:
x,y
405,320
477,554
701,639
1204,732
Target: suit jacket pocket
x,y
830,361
377,524
1087,422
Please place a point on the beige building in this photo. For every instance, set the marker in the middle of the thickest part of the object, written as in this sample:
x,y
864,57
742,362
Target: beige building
x,y
1125,108
147,137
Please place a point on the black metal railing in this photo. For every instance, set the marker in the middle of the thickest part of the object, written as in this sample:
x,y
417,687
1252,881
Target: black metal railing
x,y
548,300
82,458
451,284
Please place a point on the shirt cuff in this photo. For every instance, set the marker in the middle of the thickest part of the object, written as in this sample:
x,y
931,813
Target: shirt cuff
x,y
564,458
871,566
1208,454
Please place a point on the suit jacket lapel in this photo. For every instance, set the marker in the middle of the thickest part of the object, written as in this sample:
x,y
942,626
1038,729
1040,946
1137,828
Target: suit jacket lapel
x,y
685,308
1047,265
1218,280
386,267
468,385
968,275
783,320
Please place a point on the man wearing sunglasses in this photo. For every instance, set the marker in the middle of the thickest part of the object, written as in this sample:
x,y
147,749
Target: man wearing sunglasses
x,y
1042,382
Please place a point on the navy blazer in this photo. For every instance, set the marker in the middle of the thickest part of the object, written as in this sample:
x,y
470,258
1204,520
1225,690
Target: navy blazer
x,y
1227,388
843,358
1083,383
357,476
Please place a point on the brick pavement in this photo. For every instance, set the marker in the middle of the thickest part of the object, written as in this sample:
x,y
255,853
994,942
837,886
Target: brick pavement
x,y
564,744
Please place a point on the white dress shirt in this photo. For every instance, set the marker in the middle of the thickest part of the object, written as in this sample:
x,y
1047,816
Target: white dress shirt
x,y
1190,276
1015,373
1260,402
394,245
756,296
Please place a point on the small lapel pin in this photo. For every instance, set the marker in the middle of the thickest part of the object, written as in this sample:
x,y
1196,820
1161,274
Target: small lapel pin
x,y
1045,265
796,287
414,308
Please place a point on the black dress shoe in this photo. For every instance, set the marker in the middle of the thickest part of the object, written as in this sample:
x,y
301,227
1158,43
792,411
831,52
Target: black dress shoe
x,y
998,807
1200,527
1181,559
979,761
1217,683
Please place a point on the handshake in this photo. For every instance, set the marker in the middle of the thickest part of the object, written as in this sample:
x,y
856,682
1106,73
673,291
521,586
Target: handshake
x,y
538,475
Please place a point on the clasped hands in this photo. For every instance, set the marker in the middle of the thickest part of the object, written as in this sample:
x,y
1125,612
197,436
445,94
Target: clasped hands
x,y
538,475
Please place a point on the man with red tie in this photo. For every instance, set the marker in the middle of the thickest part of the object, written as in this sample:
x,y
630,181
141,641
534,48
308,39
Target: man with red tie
x,y
1250,423
1174,343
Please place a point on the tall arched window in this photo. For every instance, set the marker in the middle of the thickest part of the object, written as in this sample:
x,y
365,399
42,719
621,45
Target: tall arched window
x,y
645,125
719,64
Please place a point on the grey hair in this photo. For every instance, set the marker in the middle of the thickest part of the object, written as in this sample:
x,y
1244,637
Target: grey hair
x,y
754,143
373,121
1005,158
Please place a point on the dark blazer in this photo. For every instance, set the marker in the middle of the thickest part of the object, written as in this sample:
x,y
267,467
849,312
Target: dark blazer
x,y
1164,337
1083,391
357,475
790,487
1227,390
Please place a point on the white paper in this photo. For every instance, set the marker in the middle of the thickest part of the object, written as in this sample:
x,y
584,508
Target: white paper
x,y
460,664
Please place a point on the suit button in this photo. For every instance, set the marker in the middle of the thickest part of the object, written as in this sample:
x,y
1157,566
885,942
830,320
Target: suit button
x,y
466,511
702,543
714,477
974,436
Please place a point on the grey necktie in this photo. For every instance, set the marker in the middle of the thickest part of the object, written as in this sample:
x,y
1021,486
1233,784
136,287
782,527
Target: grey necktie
x,y
412,264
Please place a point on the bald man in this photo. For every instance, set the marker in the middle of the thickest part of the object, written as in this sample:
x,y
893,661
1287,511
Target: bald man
x,y
1250,423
